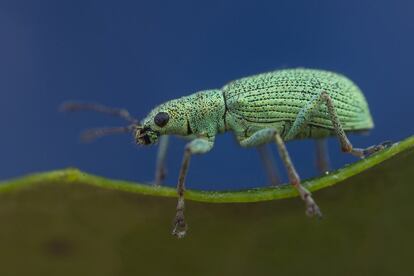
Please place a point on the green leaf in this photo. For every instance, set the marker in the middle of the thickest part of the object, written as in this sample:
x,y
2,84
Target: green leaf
x,y
252,195
71,223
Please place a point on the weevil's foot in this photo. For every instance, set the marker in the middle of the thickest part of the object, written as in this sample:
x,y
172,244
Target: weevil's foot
x,y
180,227
312,208
363,153
373,149
160,177
156,183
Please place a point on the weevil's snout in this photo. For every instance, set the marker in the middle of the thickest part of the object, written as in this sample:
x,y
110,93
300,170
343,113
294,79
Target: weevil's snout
x,y
146,136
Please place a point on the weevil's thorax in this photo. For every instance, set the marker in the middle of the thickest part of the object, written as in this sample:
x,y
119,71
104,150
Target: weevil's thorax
x,y
199,114
206,111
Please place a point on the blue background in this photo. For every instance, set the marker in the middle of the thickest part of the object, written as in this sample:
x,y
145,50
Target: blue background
x,y
137,54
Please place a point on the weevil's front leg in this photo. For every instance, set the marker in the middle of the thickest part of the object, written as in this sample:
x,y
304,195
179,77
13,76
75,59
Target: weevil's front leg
x,y
304,117
197,146
269,164
160,170
268,134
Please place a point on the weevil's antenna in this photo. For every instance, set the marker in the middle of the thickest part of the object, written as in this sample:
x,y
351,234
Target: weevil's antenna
x,y
118,112
94,133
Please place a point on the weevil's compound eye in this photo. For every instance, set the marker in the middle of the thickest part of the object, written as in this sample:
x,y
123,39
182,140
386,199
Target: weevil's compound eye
x,y
161,119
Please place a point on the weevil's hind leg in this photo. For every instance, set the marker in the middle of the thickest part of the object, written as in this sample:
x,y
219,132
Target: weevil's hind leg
x,y
197,146
305,114
362,153
161,170
267,135
269,164
346,145
322,156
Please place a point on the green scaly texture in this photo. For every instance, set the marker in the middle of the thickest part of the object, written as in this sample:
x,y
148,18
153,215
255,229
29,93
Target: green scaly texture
x,y
274,100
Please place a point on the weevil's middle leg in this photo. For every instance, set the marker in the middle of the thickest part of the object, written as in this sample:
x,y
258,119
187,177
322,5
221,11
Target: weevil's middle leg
x,y
197,146
322,157
161,170
311,207
269,164
267,135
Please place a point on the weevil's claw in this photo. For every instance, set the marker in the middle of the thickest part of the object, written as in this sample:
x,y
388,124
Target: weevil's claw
x,y
312,208
180,227
374,149
160,177
314,211
387,144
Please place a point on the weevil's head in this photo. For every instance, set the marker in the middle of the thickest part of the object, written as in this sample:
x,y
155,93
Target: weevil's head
x,y
165,119
170,118
145,135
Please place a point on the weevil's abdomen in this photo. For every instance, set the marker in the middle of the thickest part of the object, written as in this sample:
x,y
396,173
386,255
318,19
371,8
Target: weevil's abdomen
x,y
274,99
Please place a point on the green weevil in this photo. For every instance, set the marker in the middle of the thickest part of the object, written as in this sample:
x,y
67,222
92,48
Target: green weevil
x,y
277,106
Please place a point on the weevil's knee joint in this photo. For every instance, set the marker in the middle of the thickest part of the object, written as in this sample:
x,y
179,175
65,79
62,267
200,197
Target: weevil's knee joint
x,y
346,148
